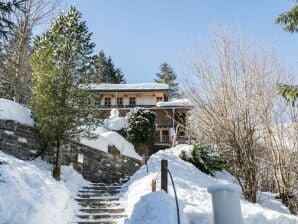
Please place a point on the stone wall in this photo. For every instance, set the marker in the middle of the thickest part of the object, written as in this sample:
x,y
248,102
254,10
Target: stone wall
x,y
94,165
21,141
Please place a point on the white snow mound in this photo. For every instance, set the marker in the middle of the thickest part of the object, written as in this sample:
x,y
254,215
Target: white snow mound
x,y
10,110
30,195
194,200
106,138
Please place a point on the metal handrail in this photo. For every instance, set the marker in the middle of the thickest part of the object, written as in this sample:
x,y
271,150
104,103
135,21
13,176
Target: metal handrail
x,y
176,198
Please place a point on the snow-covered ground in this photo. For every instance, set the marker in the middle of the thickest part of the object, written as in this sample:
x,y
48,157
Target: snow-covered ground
x,y
194,200
28,193
10,110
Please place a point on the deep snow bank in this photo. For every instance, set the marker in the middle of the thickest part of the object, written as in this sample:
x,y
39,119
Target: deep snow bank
x,y
10,110
194,200
30,195
105,138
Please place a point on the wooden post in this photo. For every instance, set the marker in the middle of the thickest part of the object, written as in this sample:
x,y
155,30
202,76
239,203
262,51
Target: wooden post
x,y
143,161
153,185
164,175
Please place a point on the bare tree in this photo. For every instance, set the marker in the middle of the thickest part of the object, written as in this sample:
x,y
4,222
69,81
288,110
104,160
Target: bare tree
x,y
15,69
233,92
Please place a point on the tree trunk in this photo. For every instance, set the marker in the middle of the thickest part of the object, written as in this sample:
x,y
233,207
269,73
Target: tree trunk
x,y
57,165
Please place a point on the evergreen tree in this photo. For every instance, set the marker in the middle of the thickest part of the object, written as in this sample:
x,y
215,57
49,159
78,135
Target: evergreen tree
x,y
61,64
141,129
105,70
6,9
168,76
290,21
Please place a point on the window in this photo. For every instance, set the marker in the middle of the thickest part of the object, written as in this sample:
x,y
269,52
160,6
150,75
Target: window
x,y
107,101
132,101
159,99
119,101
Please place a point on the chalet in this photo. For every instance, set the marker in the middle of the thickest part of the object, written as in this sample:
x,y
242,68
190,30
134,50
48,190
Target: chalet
x,y
170,116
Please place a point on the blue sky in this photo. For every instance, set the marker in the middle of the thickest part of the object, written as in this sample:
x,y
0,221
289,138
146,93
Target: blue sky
x,y
141,34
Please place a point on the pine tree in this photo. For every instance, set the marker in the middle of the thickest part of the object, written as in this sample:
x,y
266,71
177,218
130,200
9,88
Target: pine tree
x,y
289,20
141,129
61,64
168,76
105,70
6,9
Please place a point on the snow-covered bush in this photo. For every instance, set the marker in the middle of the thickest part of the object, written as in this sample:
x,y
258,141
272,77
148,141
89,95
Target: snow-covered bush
x,y
141,129
204,158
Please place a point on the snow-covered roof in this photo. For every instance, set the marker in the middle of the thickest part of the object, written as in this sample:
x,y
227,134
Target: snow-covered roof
x,y
175,103
129,87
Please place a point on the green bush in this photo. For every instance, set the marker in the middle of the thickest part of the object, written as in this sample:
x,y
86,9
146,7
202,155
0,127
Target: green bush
x,y
205,158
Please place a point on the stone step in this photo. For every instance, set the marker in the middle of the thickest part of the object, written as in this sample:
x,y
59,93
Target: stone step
x,y
103,184
103,188
110,191
97,194
99,205
103,221
103,210
100,216
103,197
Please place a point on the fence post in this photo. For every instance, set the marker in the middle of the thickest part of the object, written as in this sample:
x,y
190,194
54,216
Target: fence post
x,y
226,203
153,185
164,175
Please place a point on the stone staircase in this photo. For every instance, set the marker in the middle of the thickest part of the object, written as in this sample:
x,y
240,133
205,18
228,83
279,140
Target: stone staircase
x,y
100,204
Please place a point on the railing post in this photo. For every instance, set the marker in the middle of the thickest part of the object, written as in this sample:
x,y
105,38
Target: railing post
x,y
153,185
164,175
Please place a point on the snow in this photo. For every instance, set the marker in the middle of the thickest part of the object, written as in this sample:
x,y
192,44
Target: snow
x,y
10,110
268,200
30,195
224,187
106,138
174,103
114,122
194,200
161,207
137,86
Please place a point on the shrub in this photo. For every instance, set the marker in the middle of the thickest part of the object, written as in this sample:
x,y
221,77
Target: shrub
x,y
205,158
141,129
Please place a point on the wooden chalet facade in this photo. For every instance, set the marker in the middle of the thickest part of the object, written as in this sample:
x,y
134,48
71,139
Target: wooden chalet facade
x,y
153,96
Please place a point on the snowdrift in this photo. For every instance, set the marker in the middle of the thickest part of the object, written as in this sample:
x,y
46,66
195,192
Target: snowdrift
x,y
106,138
30,195
10,110
194,200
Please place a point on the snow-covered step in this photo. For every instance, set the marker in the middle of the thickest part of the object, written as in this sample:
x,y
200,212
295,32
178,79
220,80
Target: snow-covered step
x,y
104,198
111,191
100,216
100,203
103,210
102,188
103,221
